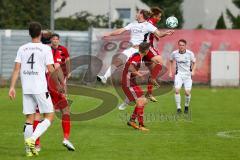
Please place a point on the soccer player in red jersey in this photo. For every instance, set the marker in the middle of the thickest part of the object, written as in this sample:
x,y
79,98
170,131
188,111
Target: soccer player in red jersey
x,y
62,64
132,91
153,59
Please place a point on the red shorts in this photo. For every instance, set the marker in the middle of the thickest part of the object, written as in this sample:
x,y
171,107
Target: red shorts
x,y
152,53
58,99
133,92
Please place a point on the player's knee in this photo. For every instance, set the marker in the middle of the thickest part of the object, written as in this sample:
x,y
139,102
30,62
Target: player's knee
x,y
177,91
37,116
30,118
187,92
157,59
66,110
142,101
49,116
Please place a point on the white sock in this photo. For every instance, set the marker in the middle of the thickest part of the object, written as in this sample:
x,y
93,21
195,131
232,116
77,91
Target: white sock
x,y
178,100
187,100
28,130
109,71
41,128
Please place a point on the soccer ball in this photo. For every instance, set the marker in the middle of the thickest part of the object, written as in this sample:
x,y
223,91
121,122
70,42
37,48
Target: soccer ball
x,y
172,22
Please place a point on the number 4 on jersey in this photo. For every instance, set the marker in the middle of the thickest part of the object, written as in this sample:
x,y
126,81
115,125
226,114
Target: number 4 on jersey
x,y
31,60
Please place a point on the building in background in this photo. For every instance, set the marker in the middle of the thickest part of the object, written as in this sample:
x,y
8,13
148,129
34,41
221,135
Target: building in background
x,y
119,9
195,12
206,13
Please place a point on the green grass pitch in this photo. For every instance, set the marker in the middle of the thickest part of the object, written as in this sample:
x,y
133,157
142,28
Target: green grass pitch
x,y
214,111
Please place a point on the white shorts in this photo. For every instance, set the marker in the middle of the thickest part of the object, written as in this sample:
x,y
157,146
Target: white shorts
x,y
41,101
183,80
127,53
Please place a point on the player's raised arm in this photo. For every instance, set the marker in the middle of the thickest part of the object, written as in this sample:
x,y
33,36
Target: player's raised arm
x,y
15,74
115,32
161,34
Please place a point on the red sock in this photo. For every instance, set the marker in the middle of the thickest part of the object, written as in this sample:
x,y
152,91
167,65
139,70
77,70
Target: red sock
x,y
66,125
155,71
134,115
139,111
149,87
35,123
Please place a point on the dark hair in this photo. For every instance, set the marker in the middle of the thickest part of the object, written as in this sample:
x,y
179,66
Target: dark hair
x,y
35,29
143,47
46,36
182,40
146,14
55,35
156,11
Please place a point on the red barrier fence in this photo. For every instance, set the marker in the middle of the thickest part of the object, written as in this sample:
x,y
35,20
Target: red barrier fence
x,y
201,42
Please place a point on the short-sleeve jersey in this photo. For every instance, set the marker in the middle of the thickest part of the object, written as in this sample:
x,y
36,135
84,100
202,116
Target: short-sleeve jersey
x,y
138,31
60,54
183,61
34,58
129,79
149,37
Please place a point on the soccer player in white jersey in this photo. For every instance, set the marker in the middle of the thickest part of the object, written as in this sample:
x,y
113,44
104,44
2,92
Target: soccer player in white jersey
x,y
137,31
185,69
32,61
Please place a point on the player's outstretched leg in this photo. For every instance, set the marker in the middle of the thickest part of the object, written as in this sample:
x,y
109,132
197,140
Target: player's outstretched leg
x,y
66,126
124,105
116,63
107,74
149,94
155,68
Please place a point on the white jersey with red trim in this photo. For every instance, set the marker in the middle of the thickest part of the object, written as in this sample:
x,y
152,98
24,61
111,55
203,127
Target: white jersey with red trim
x,y
138,31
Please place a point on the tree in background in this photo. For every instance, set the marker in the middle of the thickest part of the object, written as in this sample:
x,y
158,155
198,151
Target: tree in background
x,y
237,3
221,23
235,20
16,14
170,7
83,20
